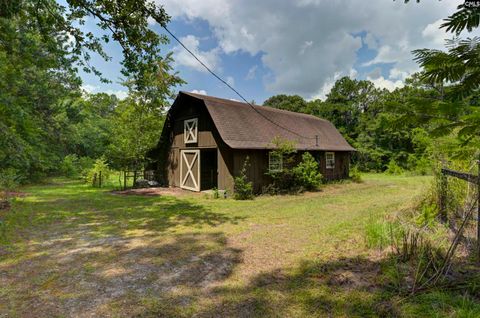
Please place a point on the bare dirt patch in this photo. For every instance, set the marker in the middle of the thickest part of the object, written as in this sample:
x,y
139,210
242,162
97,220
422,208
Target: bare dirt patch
x,y
77,275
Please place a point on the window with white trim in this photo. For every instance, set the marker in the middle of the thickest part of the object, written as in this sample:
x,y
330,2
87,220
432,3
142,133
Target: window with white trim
x,y
190,130
275,162
330,160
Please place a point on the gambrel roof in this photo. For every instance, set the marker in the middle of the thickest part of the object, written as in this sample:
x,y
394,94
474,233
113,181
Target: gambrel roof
x,y
242,126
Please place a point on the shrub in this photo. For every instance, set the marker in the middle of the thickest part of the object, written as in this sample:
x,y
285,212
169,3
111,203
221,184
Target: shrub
x,y
100,167
216,193
84,165
10,178
307,173
355,175
243,190
419,165
284,180
69,166
427,213
423,166
393,168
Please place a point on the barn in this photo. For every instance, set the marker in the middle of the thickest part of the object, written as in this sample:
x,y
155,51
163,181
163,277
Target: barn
x,y
205,141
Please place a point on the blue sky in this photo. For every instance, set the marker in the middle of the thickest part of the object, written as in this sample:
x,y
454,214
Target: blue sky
x,y
272,47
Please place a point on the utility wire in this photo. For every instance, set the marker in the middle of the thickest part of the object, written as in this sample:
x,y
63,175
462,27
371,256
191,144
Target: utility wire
x,y
247,102
229,86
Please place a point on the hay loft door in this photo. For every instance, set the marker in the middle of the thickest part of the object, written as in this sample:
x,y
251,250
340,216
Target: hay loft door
x,y
190,169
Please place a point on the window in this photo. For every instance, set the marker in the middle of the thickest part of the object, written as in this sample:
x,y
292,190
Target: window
x,y
330,160
275,162
190,130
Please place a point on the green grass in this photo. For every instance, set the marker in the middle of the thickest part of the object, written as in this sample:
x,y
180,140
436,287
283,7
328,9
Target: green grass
x,y
67,249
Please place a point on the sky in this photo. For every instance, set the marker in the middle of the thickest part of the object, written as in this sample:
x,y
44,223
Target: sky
x,y
269,47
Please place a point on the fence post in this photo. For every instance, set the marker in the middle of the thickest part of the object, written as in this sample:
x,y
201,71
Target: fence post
x,y
478,208
125,180
94,181
443,197
100,179
134,177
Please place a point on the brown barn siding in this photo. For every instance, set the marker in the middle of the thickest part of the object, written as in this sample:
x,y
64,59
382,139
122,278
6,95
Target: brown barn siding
x,y
208,137
256,172
225,168
341,170
258,165
206,128
230,161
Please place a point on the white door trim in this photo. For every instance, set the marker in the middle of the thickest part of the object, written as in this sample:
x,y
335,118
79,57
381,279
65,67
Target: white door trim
x,y
189,166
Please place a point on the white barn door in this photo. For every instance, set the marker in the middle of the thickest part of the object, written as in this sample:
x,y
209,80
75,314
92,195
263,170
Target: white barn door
x,y
190,169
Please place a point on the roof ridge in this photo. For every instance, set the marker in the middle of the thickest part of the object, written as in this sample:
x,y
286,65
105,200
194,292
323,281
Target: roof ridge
x,y
254,132
259,107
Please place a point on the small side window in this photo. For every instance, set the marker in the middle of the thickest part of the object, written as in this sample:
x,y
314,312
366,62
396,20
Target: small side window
x,y
275,162
190,130
330,160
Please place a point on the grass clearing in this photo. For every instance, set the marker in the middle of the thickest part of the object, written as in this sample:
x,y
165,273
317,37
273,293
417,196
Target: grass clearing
x,y
70,250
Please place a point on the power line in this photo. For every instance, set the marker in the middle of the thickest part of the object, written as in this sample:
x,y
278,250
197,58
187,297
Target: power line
x,y
229,86
253,107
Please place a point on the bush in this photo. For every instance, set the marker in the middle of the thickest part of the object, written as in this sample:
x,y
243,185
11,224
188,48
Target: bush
x,y
9,179
427,213
100,167
307,173
284,180
69,166
84,165
216,193
73,166
393,168
243,190
355,175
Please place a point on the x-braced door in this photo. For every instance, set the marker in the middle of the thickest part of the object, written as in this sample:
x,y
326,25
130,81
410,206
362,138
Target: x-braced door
x,y
190,169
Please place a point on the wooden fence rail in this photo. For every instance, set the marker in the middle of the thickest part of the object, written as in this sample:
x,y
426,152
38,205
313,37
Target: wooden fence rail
x,y
135,175
461,175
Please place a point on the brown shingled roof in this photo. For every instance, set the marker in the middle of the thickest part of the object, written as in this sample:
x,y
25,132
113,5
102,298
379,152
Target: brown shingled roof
x,y
242,126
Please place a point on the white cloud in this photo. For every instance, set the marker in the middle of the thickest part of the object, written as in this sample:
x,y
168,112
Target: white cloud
x,y
119,93
252,72
90,88
182,57
353,73
201,92
306,43
370,41
434,34
93,89
305,46
395,73
376,73
381,82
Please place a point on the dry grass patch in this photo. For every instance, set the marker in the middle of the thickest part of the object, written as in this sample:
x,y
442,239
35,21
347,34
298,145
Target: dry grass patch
x,y
70,250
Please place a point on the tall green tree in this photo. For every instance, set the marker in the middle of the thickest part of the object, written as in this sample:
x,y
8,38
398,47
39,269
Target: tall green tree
x,y
292,103
122,21
43,114
138,120
454,76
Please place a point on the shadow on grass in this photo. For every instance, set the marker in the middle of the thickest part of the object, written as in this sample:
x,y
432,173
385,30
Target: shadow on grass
x,y
348,287
102,214
112,276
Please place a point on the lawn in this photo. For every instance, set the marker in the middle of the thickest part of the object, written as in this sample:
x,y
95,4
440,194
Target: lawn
x,y
67,249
